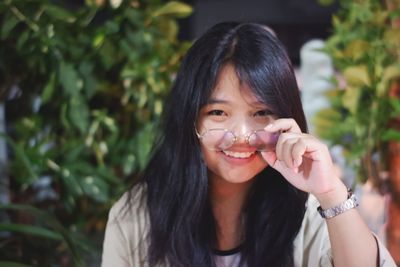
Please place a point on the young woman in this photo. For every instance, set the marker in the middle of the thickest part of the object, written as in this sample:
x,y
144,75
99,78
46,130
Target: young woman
x,y
235,180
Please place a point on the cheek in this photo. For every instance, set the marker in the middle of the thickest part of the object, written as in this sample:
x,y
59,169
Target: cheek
x,y
210,158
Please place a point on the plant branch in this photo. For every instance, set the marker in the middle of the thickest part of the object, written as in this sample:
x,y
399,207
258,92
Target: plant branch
x,y
18,14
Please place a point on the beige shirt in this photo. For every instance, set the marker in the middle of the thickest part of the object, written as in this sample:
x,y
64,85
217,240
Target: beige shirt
x,y
126,242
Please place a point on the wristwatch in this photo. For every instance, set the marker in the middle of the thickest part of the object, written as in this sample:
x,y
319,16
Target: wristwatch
x,y
350,203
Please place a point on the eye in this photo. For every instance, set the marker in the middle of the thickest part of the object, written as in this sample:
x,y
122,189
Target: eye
x,y
216,112
264,112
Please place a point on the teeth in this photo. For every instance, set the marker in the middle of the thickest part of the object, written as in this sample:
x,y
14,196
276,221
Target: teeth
x,y
241,155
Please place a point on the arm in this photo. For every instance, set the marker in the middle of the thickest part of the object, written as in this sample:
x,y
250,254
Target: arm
x,y
352,242
125,242
306,163
114,245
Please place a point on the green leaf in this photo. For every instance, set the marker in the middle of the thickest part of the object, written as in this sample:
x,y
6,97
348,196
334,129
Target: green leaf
x,y
53,223
388,74
22,40
391,134
49,89
175,9
380,18
324,121
13,264
68,78
326,2
79,113
395,105
9,23
392,37
356,49
59,13
128,164
95,187
351,98
98,39
30,230
357,75
111,27
381,88
72,186
107,53
391,72
158,107
134,16
395,14
145,140
86,70
170,28
64,116
21,155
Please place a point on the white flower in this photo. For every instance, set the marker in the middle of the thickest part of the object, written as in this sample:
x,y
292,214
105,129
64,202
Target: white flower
x,y
115,3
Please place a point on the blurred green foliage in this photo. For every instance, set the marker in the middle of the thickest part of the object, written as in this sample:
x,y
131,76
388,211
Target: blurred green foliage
x,y
83,83
365,48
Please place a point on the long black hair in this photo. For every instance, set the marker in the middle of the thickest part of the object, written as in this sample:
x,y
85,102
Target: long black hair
x,y
182,226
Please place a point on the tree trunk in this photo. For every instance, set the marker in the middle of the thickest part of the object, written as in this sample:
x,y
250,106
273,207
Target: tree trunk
x,y
393,225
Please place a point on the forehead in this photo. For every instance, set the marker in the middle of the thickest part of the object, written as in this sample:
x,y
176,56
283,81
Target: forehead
x,y
229,88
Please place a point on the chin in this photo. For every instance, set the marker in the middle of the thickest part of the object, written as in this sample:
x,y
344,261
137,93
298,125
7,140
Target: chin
x,y
237,175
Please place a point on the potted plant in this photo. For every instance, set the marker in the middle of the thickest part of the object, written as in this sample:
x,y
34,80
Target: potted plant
x,y
364,113
83,84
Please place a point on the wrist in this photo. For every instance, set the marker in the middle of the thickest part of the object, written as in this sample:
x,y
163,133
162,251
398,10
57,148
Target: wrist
x,y
333,197
349,203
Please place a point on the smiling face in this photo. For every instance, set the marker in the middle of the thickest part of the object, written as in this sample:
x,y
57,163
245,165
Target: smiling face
x,y
233,106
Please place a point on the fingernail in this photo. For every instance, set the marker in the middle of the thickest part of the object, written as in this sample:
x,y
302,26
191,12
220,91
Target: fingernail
x,y
295,164
269,126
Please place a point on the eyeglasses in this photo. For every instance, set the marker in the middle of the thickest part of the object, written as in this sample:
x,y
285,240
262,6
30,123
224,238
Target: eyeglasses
x,y
222,139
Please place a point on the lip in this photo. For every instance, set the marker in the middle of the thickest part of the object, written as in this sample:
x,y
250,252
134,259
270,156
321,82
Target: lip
x,y
238,161
242,149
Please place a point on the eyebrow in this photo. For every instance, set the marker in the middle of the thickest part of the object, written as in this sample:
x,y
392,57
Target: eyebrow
x,y
216,101
221,101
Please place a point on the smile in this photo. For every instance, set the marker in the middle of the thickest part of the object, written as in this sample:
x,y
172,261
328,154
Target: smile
x,y
240,155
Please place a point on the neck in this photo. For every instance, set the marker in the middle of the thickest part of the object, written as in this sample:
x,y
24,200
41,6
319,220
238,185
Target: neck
x,y
227,201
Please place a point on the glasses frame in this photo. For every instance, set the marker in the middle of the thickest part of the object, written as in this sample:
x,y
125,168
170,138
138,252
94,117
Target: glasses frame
x,y
235,136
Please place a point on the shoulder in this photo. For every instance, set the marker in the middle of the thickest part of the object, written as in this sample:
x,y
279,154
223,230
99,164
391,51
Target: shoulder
x,y
130,214
127,230
130,206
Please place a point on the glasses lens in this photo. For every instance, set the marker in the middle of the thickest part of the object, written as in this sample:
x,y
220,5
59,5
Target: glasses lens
x,y
263,141
218,139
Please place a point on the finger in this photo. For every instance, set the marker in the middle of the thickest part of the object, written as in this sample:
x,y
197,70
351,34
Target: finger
x,y
269,157
283,125
298,150
309,147
283,137
286,155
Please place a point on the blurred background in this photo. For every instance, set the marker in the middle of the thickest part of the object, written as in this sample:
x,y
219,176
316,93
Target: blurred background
x,y
83,83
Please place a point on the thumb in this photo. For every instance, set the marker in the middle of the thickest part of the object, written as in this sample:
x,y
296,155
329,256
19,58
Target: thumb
x,y
272,160
269,157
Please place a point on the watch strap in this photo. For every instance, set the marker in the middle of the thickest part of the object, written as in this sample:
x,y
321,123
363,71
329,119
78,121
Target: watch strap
x,y
349,203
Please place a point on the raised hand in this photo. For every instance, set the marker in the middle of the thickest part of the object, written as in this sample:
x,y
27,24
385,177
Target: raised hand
x,y
302,159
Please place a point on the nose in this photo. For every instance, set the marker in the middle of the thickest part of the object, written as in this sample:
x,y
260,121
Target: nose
x,y
241,131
